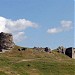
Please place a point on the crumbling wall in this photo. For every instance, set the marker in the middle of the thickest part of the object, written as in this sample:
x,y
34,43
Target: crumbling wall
x,y
69,52
6,41
73,53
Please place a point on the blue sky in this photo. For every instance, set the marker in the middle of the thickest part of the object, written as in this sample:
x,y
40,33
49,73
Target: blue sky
x,y
47,22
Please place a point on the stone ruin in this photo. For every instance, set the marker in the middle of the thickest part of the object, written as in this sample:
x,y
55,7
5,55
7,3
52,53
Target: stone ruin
x,y
61,49
40,49
70,52
67,51
6,41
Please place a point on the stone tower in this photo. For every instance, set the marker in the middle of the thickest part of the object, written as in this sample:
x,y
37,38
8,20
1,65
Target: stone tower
x,y
6,41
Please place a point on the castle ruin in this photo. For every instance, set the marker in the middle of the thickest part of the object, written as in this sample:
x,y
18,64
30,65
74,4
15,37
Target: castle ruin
x,y
70,52
6,41
67,51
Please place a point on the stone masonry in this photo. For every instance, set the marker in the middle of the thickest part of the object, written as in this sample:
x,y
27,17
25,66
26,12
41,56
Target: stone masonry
x,y
6,41
70,52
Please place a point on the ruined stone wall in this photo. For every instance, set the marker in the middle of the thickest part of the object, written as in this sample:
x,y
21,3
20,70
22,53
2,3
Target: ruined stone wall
x,y
73,53
69,52
6,41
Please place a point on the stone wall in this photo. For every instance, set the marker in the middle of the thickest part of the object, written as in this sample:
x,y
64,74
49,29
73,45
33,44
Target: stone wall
x,y
6,41
73,53
69,52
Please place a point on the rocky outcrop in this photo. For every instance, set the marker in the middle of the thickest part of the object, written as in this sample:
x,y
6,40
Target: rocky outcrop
x,y
6,41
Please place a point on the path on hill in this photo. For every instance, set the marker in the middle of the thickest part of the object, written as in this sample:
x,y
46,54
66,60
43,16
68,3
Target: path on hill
x,y
28,59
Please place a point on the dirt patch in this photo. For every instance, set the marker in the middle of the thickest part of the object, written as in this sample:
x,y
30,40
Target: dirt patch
x,y
26,60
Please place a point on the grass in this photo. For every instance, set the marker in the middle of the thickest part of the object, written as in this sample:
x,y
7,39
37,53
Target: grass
x,y
2,73
30,62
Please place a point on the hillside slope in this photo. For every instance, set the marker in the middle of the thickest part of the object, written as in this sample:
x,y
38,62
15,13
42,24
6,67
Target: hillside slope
x,y
32,62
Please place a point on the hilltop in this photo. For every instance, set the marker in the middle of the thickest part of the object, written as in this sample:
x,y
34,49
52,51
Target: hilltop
x,y
32,62
16,60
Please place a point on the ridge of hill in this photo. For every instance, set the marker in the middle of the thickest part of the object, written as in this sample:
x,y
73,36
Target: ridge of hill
x,y
33,62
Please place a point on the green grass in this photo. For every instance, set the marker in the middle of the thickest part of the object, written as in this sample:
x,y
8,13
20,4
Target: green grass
x,y
2,73
30,62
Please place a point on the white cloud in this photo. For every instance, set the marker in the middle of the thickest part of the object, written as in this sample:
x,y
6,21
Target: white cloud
x,y
16,27
21,36
65,25
53,30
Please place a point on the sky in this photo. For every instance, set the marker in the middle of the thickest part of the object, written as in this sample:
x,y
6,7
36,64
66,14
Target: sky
x,y
40,23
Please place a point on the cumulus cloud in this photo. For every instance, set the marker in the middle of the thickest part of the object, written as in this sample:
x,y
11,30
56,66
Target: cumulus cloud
x,y
65,25
16,27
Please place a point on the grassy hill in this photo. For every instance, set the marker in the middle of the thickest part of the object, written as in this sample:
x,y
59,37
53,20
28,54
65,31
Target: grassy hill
x,y
32,62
